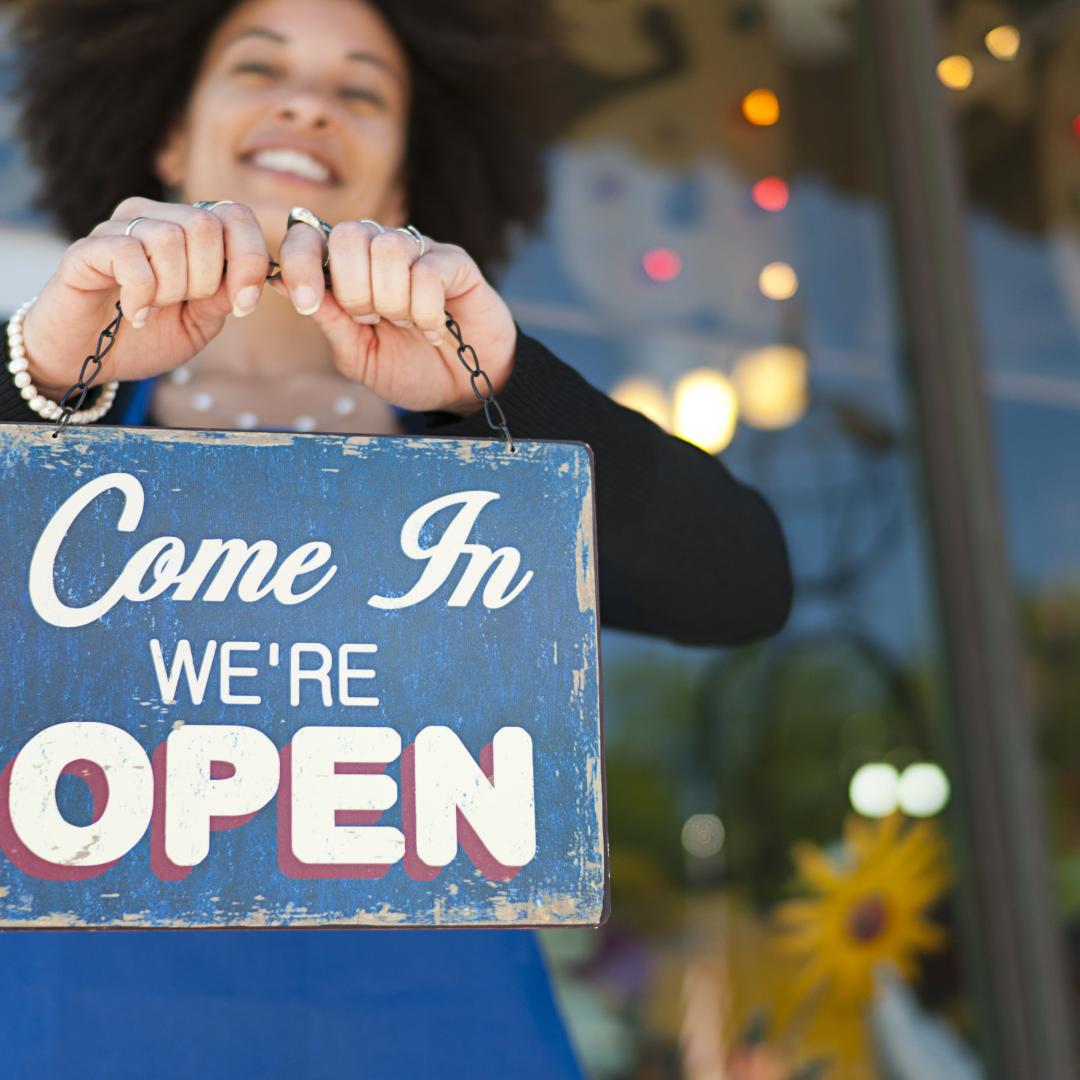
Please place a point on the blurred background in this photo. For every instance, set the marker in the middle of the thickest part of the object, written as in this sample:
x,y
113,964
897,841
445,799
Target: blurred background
x,y
837,243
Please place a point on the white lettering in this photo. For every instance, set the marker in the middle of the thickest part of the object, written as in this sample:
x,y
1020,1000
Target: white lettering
x,y
501,812
36,817
319,791
183,663
442,556
192,798
247,567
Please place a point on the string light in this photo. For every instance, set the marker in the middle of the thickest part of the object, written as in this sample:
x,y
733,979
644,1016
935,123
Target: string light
x,y
661,264
955,72
778,281
1003,42
705,409
923,789
761,107
771,384
646,397
770,193
872,790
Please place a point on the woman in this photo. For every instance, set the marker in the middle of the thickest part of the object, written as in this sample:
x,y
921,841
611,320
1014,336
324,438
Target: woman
x,y
373,116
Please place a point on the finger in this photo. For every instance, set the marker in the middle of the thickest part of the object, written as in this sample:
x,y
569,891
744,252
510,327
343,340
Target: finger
x,y
428,295
246,255
165,245
301,259
350,269
215,240
102,262
392,256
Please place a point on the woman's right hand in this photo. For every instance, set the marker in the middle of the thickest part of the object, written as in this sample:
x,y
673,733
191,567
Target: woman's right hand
x,y
175,262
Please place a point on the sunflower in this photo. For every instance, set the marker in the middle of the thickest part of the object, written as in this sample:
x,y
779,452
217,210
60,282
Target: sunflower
x,y
866,908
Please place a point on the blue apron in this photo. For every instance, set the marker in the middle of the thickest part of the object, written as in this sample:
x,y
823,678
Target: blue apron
x,y
296,1004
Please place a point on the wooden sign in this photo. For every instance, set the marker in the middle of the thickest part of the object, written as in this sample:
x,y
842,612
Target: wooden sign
x,y
296,680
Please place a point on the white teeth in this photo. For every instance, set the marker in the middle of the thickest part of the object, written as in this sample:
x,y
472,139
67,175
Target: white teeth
x,y
292,161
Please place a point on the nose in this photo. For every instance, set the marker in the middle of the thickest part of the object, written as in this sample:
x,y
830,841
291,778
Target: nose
x,y
306,109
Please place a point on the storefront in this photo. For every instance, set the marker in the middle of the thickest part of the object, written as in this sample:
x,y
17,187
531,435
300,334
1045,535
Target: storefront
x,y
837,243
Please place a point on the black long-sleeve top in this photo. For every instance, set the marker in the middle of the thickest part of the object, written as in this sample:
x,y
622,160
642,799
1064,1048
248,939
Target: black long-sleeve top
x,y
684,550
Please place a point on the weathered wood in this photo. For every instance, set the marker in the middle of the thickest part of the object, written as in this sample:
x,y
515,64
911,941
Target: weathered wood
x,y
297,680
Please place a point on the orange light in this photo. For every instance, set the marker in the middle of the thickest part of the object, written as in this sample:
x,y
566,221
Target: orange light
x,y
1003,42
770,193
761,107
956,72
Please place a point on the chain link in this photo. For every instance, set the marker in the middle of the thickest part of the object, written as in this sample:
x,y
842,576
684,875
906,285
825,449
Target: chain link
x,y
81,387
478,378
493,413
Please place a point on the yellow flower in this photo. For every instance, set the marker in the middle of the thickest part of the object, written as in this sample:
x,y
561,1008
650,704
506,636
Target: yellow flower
x,y
865,909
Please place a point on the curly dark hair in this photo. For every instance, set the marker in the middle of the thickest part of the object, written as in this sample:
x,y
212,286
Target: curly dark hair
x,y
101,81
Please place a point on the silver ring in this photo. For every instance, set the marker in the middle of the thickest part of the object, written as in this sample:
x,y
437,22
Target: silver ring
x,y
299,213
368,221
132,223
417,235
210,204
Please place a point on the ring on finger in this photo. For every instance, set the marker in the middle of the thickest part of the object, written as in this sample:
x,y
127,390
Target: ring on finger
x,y
417,235
132,223
299,213
368,221
211,204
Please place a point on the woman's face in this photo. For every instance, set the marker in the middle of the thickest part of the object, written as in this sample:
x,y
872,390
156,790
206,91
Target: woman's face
x,y
296,104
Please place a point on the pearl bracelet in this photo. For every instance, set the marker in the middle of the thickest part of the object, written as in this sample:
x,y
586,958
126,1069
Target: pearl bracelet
x,y
45,407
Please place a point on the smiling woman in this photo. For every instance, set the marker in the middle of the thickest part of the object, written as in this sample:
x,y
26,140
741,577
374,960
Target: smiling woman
x,y
173,140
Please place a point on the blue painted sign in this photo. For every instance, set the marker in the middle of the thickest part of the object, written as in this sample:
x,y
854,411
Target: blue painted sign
x,y
293,680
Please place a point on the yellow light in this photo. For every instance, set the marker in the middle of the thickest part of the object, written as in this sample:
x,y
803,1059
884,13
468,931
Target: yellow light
x,y
955,72
646,397
771,384
761,107
1003,42
706,409
778,281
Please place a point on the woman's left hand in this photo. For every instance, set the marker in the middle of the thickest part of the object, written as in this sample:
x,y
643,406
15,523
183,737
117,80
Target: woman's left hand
x,y
384,318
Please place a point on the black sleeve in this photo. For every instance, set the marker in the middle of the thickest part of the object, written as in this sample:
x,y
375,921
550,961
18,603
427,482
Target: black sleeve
x,y
684,550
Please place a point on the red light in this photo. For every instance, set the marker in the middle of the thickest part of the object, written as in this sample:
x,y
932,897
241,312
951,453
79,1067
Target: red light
x,y
1076,125
770,193
662,264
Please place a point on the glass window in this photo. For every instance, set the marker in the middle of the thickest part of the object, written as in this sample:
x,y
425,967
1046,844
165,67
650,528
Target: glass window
x,y
717,256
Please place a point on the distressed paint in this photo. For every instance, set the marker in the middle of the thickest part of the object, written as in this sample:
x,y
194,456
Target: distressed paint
x,y
533,664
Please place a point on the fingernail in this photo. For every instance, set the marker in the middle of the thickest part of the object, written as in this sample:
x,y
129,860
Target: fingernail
x,y
367,320
434,337
304,300
140,317
246,299
405,324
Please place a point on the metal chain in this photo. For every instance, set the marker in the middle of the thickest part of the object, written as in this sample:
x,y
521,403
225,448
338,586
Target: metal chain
x,y
81,387
493,413
478,378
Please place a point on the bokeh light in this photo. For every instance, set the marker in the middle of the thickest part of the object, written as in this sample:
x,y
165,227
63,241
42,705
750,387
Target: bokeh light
x,y
645,396
771,193
955,72
703,835
661,264
923,789
1003,42
705,409
778,281
873,789
771,384
761,107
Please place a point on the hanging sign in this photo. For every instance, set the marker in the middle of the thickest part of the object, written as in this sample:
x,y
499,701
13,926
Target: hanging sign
x,y
297,680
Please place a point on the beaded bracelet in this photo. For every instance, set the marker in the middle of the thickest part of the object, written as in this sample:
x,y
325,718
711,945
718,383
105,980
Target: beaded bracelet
x,y
45,407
